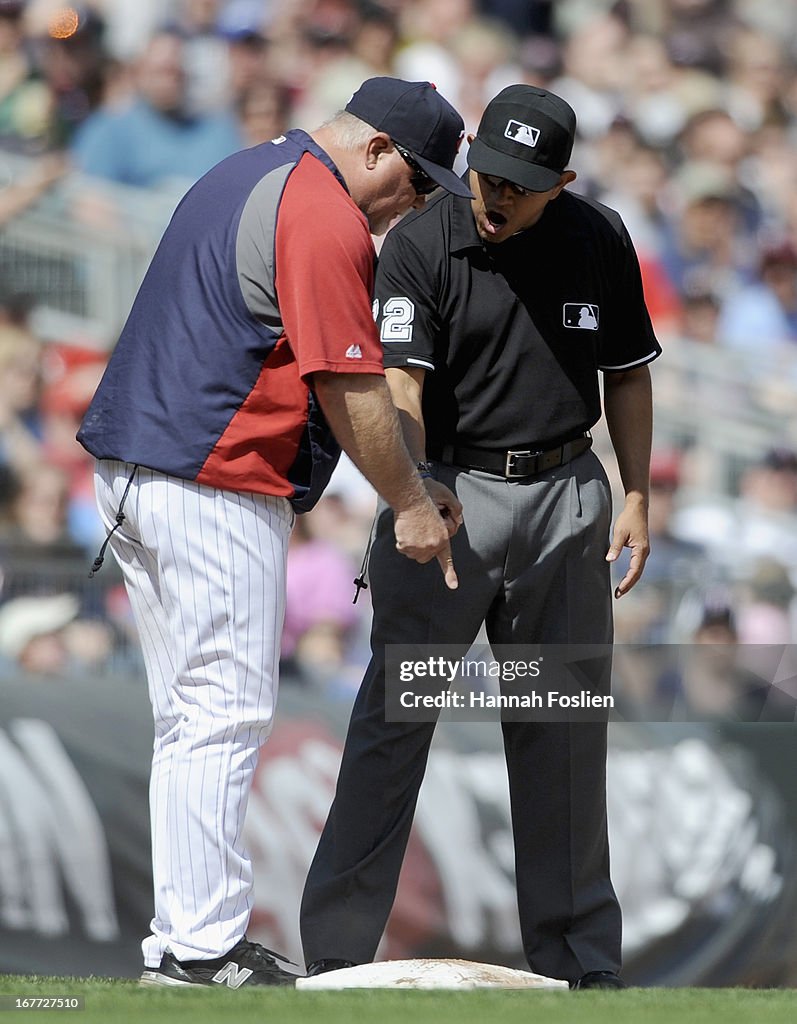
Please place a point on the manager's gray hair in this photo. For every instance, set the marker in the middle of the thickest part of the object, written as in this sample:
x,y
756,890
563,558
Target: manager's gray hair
x,y
348,131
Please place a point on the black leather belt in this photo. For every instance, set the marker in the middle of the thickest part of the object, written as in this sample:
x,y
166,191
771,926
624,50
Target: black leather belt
x,y
516,462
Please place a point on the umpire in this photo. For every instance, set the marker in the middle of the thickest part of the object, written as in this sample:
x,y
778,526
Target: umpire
x,y
496,315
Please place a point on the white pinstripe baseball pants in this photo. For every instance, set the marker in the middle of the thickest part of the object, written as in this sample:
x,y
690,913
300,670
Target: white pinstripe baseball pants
x,y
205,572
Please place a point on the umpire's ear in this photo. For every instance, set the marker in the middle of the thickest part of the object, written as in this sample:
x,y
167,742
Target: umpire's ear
x,y
566,178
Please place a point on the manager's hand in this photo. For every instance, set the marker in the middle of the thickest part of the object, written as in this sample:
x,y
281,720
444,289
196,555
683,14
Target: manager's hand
x,y
422,534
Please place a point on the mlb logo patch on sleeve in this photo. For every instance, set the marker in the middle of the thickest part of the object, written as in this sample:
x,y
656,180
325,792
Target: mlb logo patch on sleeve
x,y
581,316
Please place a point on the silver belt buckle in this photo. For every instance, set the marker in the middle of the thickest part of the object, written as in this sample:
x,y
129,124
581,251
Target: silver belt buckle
x,y
509,472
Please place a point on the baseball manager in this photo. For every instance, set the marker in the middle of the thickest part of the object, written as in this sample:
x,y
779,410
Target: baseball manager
x,y
249,356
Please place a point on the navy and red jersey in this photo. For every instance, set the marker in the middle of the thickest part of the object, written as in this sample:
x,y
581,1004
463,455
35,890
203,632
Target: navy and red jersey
x,y
263,277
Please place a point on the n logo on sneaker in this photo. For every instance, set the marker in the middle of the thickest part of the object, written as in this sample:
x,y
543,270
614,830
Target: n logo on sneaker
x,y
232,975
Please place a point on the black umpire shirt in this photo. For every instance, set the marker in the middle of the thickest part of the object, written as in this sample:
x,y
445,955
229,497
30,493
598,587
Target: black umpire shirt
x,y
512,334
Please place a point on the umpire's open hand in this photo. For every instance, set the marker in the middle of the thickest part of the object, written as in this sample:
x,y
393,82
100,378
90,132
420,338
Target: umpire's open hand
x,y
630,531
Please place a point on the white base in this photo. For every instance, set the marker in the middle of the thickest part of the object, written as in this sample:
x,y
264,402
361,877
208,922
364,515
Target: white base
x,y
445,974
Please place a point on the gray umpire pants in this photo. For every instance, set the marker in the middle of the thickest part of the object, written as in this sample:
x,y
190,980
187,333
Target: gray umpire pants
x,y
530,558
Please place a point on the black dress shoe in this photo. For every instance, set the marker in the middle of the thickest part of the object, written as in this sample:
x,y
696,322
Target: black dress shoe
x,y
598,979
324,966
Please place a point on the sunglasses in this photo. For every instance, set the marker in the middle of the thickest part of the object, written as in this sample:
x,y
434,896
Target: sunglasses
x,y
498,183
420,180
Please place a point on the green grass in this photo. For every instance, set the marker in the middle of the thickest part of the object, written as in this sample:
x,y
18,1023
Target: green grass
x,y
120,1002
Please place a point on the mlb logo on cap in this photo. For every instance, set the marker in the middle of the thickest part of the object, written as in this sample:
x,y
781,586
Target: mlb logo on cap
x,y
521,132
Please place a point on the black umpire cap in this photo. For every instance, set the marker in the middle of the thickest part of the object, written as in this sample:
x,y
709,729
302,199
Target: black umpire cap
x,y
526,136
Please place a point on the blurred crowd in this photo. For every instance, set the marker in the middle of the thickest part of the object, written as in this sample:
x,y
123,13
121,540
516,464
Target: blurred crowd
x,y
687,126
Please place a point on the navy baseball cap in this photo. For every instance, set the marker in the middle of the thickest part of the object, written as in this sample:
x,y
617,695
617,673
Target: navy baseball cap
x,y
526,136
416,116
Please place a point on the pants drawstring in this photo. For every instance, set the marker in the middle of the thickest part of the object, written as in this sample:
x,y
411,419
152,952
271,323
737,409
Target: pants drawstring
x,y
120,518
360,582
